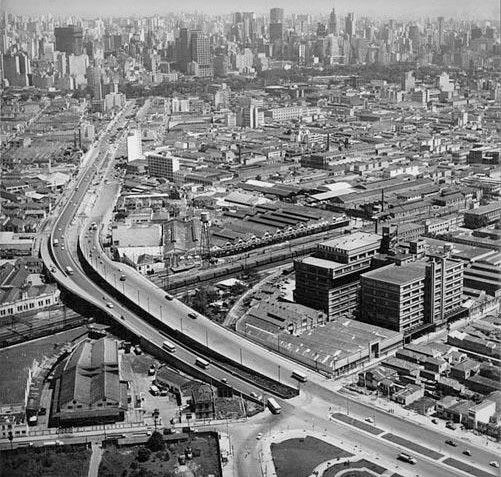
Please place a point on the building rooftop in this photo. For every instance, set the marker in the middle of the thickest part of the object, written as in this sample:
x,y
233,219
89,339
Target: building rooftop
x,y
353,241
406,273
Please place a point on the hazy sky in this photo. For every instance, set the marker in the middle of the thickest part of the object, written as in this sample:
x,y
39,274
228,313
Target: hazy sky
x,y
484,9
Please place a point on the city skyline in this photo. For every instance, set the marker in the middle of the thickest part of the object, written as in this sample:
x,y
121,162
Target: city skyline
x,y
487,10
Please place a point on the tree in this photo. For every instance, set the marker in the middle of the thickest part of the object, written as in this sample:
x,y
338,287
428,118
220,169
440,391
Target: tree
x,y
143,454
156,442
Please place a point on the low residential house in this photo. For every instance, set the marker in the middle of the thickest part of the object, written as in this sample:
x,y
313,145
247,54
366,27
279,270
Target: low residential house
x,y
202,402
479,415
449,386
436,365
402,367
483,385
409,394
166,378
464,370
458,412
445,403
381,379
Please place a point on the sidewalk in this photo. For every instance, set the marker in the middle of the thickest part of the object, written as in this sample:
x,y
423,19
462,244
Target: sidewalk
x,y
395,409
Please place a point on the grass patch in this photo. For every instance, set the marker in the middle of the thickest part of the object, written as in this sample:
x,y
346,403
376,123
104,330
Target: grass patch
x,y
298,457
133,460
42,461
360,464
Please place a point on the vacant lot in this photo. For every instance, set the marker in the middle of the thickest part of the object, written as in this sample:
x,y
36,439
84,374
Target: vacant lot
x,y
41,462
15,362
130,460
298,457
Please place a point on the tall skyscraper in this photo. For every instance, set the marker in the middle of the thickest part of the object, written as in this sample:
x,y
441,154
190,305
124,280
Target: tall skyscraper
x,y
94,81
349,26
183,55
200,53
333,22
276,24
69,39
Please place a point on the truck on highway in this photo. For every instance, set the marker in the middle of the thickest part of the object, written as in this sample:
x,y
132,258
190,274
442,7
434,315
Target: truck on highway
x,y
69,270
202,363
406,458
299,376
273,406
170,347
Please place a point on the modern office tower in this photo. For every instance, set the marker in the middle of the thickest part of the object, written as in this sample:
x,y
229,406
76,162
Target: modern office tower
x,y
408,81
94,81
349,24
440,31
251,116
276,24
249,25
200,53
333,22
162,165
69,39
277,15
329,280
183,46
16,68
393,296
134,145
412,296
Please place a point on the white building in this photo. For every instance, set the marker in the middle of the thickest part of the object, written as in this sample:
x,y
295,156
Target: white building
x,y
134,146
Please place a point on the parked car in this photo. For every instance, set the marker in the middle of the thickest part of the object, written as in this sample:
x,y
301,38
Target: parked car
x,y
451,442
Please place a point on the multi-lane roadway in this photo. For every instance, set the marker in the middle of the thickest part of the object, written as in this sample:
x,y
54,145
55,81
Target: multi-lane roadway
x,y
317,395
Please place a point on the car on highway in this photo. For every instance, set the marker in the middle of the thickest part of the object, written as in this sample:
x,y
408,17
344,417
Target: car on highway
x,y
450,425
122,278
122,317
434,420
467,452
169,297
259,436
109,305
452,443
370,420
192,316
494,463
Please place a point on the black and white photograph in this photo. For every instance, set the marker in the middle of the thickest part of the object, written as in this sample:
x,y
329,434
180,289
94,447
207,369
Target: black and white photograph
x,y
250,238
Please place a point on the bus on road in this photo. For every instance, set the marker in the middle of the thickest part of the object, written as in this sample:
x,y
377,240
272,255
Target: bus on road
x,y
299,376
274,406
69,270
167,345
202,363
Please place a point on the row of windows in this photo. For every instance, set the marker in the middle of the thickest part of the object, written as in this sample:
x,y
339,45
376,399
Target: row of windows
x,y
26,306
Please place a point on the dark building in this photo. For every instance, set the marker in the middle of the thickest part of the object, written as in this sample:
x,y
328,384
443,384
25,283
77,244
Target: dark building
x,y
330,279
276,24
87,386
69,39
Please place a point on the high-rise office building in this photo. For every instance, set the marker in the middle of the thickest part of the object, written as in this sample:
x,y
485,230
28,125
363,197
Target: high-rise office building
x,y
333,22
349,24
413,295
277,15
162,165
200,53
329,279
276,24
16,68
134,145
183,55
69,39
94,82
